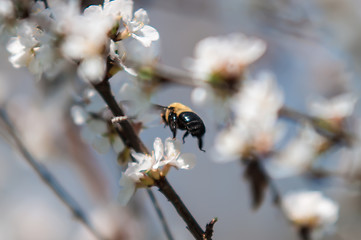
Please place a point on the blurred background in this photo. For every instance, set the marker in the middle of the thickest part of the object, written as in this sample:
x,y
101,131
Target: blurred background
x,y
313,48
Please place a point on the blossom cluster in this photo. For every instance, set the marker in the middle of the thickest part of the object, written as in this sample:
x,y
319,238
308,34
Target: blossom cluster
x,y
51,40
146,169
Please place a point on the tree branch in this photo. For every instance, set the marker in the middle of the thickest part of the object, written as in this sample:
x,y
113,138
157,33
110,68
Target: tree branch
x,y
48,178
172,196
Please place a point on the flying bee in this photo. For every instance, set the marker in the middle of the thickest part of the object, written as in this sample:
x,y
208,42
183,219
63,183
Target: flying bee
x,y
179,116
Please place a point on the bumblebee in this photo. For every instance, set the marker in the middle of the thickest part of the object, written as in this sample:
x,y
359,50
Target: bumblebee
x,y
179,116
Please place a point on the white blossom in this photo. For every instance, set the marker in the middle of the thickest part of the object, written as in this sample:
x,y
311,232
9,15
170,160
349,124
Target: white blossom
x,y
35,47
23,46
225,56
338,107
6,9
87,41
139,29
255,127
258,100
95,130
148,168
310,209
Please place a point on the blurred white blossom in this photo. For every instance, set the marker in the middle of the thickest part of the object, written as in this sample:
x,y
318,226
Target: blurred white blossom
x,y
6,9
225,57
310,209
148,168
336,108
255,127
96,128
23,47
35,48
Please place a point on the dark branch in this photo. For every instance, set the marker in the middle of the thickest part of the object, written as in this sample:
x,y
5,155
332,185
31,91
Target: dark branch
x,y
172,196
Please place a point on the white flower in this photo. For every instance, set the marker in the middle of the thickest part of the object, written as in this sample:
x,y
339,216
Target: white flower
x,y
338,107
138,29
230,145
115,9
310,209
148,168
146,163
6,9
92,68
22,47
255,127
225,56
86,40
258,100
35,48
173,158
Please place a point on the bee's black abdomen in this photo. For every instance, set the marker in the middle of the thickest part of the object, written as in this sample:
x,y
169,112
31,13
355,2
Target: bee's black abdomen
x,y
192,123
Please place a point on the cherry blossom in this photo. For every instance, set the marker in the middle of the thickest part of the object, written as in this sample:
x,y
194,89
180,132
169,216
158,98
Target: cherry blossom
x,y
146,169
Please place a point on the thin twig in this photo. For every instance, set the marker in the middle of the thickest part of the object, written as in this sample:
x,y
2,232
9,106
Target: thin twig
x,y
48,178
160,214
209,229
335,135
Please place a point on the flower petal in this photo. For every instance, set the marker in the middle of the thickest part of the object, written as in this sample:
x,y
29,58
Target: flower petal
x,y
141,16
172,147
92,69
186,161
146,35
158,150
78,114
127,190
139,157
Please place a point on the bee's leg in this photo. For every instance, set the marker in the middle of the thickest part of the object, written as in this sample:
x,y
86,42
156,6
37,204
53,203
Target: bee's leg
x,y
200,144
173,124
185,135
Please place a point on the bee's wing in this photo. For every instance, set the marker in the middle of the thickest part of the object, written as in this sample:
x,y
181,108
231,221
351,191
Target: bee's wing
x,y
159,107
